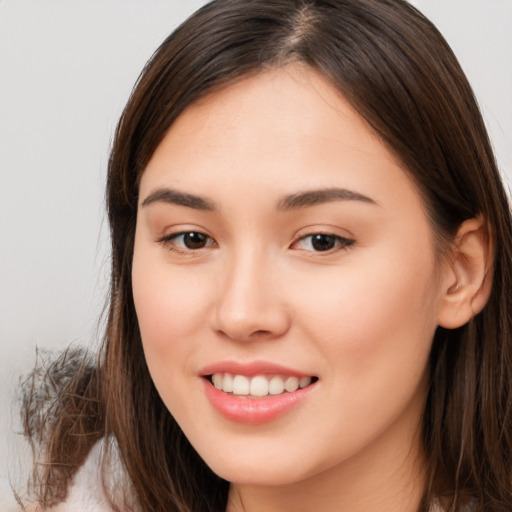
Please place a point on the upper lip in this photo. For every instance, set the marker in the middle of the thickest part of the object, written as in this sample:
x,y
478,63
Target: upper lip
x,y
250,369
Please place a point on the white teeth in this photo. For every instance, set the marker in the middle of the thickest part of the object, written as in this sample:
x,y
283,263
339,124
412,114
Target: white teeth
x,y
241,385
304,381
217,380
259,385
291,384
276,386
227,385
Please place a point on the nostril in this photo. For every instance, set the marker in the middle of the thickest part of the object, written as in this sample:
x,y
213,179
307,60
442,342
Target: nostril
x,y
245,336
260,333
245,314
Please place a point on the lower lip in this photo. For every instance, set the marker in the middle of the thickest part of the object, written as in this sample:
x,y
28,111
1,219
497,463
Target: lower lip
x,y
252,411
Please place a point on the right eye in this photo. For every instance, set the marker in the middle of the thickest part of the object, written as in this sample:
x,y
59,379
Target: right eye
x,y
187,241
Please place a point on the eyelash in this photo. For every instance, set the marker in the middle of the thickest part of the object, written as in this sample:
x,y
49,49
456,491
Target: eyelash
x,y
340,243
170,242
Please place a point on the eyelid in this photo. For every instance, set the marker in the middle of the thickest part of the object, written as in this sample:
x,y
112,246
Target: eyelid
x,y
168,241
342,242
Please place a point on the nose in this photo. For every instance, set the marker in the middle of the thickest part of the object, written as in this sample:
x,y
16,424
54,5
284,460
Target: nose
x,y
250,301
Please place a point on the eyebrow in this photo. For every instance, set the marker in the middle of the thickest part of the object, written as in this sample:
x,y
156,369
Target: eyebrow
x,y
290,202
316,197
166,195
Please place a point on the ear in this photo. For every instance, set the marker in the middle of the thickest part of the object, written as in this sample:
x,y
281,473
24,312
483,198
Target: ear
x,y
467,279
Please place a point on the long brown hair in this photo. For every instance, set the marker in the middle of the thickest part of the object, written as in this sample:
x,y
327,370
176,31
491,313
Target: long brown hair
x,y
400,75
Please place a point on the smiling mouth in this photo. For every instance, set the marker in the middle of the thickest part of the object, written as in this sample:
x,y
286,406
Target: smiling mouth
x,y
258,386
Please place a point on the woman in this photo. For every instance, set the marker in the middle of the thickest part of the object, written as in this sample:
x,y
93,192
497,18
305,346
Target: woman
x,y
310,276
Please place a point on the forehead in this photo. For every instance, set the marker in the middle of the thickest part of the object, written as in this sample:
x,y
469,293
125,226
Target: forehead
x,y
282,127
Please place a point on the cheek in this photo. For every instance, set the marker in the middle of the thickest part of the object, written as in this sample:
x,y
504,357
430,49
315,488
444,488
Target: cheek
x,y
375,311
170,303
170,309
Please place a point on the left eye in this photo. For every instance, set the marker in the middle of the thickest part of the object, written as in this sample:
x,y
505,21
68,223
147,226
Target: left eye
x,y
322,242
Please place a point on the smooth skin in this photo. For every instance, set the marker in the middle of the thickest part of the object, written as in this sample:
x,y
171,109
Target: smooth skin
x,y
349,289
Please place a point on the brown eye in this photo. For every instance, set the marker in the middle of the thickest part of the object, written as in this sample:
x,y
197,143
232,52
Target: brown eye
x,y
194,240
323,242
188,241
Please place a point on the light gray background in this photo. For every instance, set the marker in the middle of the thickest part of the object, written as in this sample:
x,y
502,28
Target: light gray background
x,y
66,70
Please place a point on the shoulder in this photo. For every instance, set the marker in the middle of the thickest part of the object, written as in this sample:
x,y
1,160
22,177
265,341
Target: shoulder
x,y
86,492
94,480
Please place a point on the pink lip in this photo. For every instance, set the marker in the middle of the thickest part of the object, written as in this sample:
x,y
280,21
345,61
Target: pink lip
x,y
250,410
250,369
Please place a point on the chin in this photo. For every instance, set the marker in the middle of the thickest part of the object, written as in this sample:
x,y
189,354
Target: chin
x,y
249,474
261,467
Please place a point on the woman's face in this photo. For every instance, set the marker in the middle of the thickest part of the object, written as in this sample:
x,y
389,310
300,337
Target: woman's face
x,y
279,243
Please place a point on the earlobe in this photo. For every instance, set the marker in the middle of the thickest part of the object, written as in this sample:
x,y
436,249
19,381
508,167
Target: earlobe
x,y
468,275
